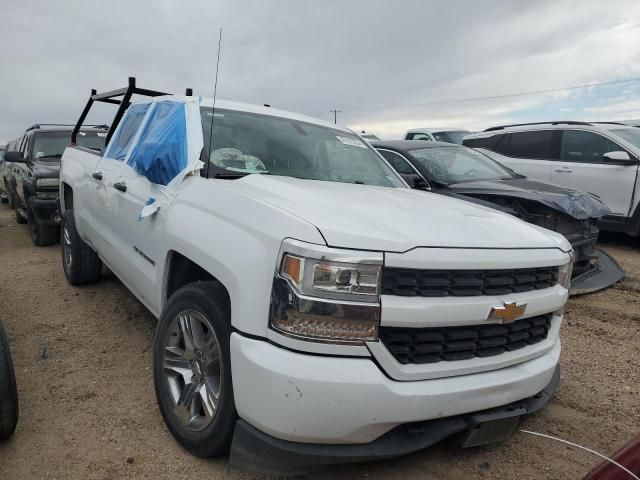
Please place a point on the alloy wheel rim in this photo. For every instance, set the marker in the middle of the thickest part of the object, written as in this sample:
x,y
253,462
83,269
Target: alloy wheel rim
x,y
192,370
66,248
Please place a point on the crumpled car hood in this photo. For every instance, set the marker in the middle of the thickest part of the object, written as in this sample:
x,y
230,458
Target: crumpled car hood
x,y
392,219
579,205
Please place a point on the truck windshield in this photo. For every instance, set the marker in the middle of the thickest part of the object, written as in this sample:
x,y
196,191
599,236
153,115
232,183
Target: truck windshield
x,y
50,145
459,164
244,143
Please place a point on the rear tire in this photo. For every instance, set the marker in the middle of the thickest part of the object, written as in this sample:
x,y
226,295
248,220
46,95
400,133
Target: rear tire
x,y
8,390
19,218
192,369
80,263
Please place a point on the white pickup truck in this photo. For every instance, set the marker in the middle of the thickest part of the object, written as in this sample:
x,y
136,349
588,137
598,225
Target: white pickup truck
x,y
313,309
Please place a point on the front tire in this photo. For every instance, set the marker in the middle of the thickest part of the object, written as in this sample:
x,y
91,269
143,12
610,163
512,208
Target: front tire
x,y
192,369
80,263
41,235
8,390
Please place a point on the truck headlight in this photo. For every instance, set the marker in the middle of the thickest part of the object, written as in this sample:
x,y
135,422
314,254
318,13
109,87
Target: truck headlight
x,y
47,182
326,295
565,271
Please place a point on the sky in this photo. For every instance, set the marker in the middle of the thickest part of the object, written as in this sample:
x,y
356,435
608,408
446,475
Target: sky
x,y
387,66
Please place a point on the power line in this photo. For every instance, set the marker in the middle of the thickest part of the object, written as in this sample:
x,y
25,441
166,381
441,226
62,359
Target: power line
x,y
495,97
335,115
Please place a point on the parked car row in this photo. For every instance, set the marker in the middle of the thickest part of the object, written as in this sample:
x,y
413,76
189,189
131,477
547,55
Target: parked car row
x,y
296,275
29,175
462,172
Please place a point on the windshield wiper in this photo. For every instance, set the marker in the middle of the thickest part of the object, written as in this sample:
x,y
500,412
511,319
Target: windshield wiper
x,y
230,176
54,155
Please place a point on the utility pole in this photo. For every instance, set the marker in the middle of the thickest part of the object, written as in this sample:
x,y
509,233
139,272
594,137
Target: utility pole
x,y
335,115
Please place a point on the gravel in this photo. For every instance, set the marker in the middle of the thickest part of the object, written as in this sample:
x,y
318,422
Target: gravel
x,y
88,410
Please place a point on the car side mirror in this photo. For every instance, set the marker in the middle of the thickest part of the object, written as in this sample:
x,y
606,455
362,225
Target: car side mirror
x,y
618,158
14,157
416,181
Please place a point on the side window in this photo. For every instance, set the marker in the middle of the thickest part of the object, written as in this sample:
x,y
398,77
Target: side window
x,y
585,147
24,146
490,143
122,138
398,162
418,136
161,154
530,144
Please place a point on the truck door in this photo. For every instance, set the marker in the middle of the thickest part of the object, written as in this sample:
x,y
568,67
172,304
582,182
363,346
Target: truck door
x,y
103,219
158,155
581,167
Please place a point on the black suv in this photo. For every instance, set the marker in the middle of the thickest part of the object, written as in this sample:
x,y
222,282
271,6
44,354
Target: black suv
x,y
34,171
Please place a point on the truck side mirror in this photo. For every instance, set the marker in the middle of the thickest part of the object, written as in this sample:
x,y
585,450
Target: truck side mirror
x,y
14,157
618,158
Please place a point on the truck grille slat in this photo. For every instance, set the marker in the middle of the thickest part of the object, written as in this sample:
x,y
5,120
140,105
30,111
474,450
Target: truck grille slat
x,y
409,282
436,344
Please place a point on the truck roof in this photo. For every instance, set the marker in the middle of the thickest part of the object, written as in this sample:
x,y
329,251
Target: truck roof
x,y
433,130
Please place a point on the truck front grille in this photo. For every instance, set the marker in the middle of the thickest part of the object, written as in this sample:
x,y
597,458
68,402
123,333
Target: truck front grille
x,y
463,283
431,345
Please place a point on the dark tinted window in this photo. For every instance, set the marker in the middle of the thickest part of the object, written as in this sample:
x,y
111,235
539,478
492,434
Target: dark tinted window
x,y
484,142
530,144
397,162
582,146
418,136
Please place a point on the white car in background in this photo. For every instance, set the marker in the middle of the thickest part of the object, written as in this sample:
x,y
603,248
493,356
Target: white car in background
x,y
599,158
448,135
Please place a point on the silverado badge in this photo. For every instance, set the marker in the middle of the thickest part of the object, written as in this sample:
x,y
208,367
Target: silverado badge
x,y
507,313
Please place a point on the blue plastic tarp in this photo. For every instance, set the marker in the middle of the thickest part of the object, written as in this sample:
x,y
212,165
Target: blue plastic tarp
x,y
126,132
160,153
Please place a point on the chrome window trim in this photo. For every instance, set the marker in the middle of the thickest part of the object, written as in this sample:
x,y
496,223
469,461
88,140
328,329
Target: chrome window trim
x,y
410,164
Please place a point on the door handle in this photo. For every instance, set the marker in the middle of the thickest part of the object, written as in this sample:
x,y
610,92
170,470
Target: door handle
x,y
97,175
563,170
120,186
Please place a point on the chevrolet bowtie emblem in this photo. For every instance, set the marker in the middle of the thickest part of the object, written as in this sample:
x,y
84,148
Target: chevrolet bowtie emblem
x,y
508,313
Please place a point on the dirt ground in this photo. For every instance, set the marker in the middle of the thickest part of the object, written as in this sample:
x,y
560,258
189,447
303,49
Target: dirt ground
x,y
88,410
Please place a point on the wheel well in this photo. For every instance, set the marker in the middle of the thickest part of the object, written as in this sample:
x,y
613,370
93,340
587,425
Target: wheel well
x,y
68,196
182,271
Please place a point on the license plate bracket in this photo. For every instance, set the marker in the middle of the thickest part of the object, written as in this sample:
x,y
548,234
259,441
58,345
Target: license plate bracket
x,y
490,432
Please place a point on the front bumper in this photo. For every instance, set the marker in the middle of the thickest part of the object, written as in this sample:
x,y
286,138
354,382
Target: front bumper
x,y
603,274
314,399
258,451
44,211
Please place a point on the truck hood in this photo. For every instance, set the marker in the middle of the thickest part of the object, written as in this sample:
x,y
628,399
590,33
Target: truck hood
x,y
579,205
393,219
46,169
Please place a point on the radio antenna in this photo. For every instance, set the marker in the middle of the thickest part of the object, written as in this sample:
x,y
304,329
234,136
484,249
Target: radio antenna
x,y
213,109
